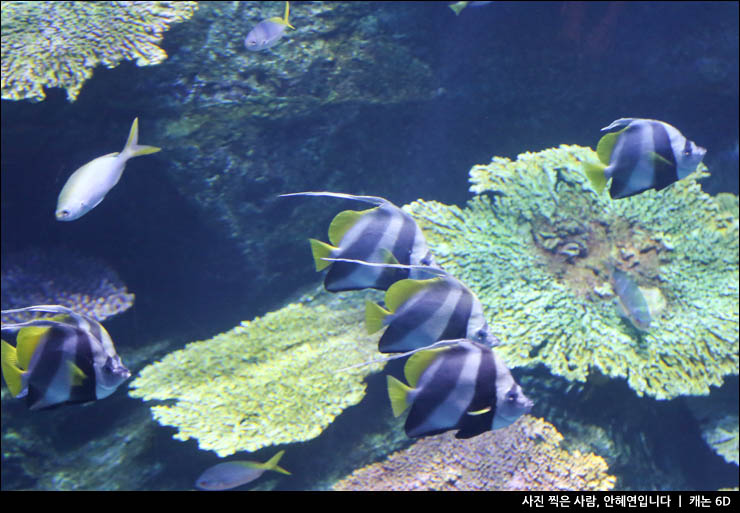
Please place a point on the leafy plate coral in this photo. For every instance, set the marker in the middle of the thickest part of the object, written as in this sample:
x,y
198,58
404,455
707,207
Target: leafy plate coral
x,y
273,380
535,244
58,44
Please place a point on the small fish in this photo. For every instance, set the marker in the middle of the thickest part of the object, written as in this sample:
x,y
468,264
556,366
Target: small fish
x,y
464,386
384,234
631,300
225,476
268,32
87,186
644,154
421,312
69,358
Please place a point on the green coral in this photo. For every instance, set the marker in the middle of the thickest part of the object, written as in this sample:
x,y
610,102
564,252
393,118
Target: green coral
x,y
57,44
523,456
535,244
273,380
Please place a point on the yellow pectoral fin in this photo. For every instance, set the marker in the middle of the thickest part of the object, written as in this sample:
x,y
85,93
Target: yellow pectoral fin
x,y
480,412
77,375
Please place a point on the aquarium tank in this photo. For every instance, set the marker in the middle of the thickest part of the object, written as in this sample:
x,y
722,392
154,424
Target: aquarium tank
x,y
369,246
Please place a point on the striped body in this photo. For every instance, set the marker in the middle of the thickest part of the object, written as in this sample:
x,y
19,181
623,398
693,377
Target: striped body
x,y
646,154
69,358
384,234
631,300
422,312
465,386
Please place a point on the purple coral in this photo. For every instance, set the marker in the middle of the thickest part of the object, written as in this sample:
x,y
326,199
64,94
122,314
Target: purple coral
x,y
523,456
63,277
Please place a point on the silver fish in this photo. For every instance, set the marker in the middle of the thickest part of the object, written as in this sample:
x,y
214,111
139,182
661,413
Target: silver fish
x,y
87,186
231,474
267,33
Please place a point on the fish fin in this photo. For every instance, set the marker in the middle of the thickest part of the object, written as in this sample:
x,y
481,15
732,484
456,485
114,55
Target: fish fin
x,y
272,464
595,172
375,316
132,148
419,362
619,123
27,341
398,394
657,159
401,291
457,7
480,412
12,373
342,222
320,250
605,147
375,200
287,13
77,375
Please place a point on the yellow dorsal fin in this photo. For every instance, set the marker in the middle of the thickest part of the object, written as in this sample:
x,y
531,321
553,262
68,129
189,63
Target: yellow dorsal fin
x,y
419,362
27,342
11,372
320,250
402,290
342,222
606,146
374,316
397,392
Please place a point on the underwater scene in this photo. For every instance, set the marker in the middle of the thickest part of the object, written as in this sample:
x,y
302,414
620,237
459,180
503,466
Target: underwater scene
x,y
370,246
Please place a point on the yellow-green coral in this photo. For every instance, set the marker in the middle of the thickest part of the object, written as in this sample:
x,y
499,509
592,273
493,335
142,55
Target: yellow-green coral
x,y
535,242
57,44
273,380
523,456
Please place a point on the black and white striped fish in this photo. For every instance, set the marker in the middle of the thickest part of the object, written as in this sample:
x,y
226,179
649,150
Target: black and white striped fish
x,y
421,312
464,386
383,234
69,358
644,154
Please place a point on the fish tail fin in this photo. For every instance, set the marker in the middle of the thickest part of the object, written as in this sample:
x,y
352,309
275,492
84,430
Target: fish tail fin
x,y
596,174
398,394
375,316
320,250
287,13
12,373
457,7
132,148
272,464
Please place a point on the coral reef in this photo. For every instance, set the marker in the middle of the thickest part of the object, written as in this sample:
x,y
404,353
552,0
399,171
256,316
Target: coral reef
x,y
717,416
523,456
58,44
536,243
277,379
64,277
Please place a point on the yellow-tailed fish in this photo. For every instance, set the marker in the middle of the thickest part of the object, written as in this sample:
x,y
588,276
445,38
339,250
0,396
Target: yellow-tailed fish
x,y
87,186
268,32
231,474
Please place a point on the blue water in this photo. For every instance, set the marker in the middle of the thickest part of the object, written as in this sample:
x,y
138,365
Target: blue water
x,y
391,99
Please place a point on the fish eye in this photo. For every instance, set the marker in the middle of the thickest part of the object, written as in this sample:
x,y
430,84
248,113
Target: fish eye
x,y
511,396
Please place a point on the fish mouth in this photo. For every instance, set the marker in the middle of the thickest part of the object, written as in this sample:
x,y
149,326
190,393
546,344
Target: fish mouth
x,y
62,215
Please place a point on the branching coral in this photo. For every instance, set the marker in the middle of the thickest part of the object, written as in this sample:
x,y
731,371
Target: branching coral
x,y
61,277
58,44
536,243
273,380
523,456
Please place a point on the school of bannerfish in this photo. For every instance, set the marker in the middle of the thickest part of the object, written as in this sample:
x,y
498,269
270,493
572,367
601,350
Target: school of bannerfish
x,y
456,381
